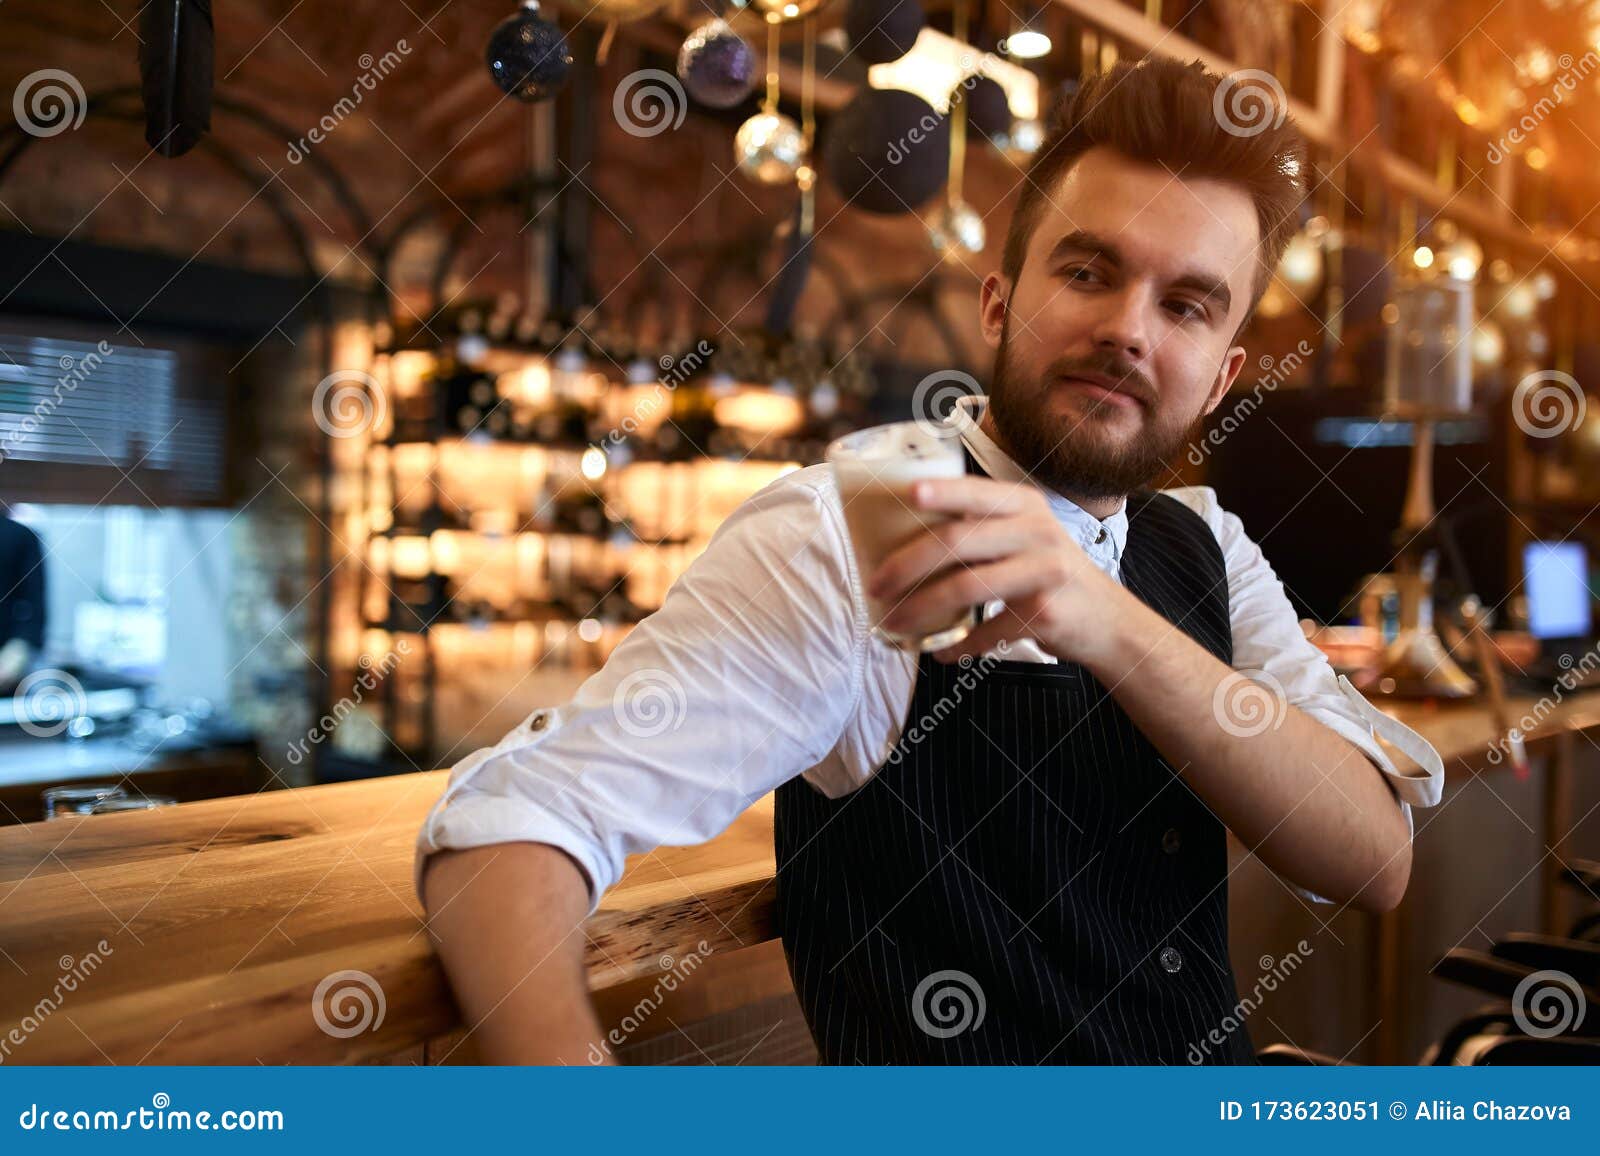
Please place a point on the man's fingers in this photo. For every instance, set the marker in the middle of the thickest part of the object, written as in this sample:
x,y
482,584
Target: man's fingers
x,y
971,496
934,549
928,606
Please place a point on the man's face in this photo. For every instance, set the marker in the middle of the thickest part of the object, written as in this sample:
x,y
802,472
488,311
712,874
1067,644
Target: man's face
x,y
1117,338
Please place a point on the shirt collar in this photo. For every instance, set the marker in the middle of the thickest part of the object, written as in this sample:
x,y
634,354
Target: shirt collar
x,y
997,464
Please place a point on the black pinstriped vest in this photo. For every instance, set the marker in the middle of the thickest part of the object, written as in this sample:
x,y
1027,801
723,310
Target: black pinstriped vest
x,y
1024,880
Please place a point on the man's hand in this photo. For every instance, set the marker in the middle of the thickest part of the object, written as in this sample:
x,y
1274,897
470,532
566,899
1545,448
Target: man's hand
x,y
1305,800
1002,541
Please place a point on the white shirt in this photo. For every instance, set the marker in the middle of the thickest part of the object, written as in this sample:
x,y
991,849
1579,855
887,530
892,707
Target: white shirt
x,y
759,666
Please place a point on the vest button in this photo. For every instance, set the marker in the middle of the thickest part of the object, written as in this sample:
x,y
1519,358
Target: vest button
x,y
1171,841
539,721
1171,959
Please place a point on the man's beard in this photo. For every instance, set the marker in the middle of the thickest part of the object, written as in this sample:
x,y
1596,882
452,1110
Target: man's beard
x,y
1078,458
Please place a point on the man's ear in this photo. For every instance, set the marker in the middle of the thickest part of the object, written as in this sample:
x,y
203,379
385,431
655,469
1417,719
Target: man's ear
x,y
993,300
1232,363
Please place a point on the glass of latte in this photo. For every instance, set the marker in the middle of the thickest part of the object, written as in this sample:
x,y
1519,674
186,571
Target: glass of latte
x,y
875,470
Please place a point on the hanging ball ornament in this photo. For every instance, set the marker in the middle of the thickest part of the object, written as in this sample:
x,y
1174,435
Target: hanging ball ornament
x,y
528,56
769,148
988,109
957,229
882,30
887,151
717,65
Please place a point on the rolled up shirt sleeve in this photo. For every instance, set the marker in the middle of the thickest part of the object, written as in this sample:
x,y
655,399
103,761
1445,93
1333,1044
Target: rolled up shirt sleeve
x,y
1269,646
744,678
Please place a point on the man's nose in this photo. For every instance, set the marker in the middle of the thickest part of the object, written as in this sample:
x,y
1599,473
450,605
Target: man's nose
x,y
1122,327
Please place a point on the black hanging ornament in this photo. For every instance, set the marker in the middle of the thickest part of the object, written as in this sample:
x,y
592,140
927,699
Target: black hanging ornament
x,y
176,50
988,109
717,65
527,55
887,151
882,30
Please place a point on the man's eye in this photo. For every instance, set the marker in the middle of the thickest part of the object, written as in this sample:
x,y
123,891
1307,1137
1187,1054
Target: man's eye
x,y
1186,310
1083,274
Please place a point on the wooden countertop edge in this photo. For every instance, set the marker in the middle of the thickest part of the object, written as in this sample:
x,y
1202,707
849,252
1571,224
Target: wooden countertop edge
x,y
267,1014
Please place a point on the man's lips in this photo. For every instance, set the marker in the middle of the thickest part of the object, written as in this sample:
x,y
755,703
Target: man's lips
x,y
1101,388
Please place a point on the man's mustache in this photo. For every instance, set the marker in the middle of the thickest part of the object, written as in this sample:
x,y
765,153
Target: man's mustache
x,y
1128,379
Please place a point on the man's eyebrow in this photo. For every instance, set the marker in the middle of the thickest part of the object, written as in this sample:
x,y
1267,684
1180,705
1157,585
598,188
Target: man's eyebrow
x,y
1209,286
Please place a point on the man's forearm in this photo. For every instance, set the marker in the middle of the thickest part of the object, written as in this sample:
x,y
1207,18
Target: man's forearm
x,y
506,921
1309,803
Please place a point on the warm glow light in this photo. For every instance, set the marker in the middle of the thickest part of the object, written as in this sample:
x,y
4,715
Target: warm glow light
x,y
1537,158
589,630
1520,301
760,411
593,463
1463,257
1488,343
1027,44
1467,111
1301,264
938,63
1423,257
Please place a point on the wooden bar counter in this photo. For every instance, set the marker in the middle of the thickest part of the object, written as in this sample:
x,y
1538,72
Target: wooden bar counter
x,y
223,917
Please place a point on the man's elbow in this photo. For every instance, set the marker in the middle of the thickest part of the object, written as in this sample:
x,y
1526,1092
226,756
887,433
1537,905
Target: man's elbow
x,y
1387,887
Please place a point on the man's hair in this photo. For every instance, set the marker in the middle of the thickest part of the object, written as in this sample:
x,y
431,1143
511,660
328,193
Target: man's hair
x,y
1189,121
